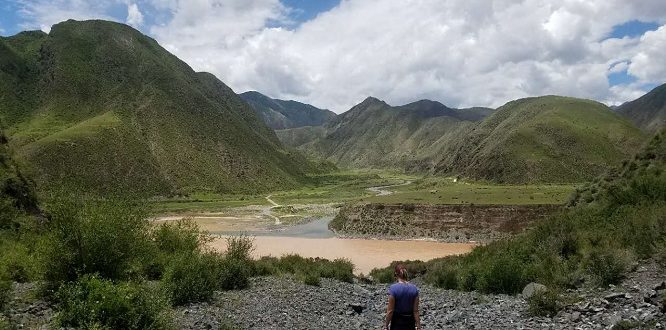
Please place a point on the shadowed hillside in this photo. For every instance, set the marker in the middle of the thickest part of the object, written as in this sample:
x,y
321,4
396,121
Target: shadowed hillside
x,y
649,111
374,134
280,114
100,106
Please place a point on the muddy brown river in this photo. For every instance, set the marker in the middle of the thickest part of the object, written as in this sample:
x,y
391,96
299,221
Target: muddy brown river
x,y
366,254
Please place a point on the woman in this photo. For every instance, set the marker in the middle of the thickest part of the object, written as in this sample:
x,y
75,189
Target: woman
x,y
403,303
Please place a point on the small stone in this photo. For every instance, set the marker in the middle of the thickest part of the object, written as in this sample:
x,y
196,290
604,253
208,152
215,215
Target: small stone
x,y
615,296
532,289
574,317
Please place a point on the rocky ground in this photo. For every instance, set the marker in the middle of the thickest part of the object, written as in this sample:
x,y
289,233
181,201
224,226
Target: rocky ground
x,y
284,303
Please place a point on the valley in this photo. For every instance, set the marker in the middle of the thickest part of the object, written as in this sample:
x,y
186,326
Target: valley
x,y
138,193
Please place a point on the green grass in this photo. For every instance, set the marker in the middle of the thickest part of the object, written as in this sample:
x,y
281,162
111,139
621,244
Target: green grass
x,y
440,190
117,112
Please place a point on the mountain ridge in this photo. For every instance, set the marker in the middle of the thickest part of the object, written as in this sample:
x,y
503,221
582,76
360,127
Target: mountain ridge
x,y
282,114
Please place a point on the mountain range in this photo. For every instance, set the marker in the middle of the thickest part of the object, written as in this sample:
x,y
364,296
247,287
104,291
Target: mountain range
x,y
281,114
99,106
647,112
542,139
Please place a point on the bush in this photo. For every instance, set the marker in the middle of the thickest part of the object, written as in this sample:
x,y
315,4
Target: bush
x,y
544,303
182,236
312,278
383,275
192,277
607,266
235,273
18,263
95,303
339,269
109,238
239,248
443,276
5,292
171,240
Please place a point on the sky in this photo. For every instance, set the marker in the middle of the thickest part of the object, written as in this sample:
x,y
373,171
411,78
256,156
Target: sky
x,y
335,53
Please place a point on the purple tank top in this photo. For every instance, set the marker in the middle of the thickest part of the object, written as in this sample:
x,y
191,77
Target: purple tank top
x,y
404,294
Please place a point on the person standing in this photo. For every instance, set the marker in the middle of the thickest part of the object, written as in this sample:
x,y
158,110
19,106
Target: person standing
x,y
402,312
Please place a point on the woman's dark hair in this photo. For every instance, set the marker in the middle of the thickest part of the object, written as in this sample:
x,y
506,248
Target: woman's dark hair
x,y
401,271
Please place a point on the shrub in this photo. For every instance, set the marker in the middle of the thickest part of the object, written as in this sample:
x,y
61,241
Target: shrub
x,y
444,276
239,247
108,238
607,266
95,303
544,303
170,240
235,273
339,269
383,275
192,277
182,236
5,292
17,262
311,278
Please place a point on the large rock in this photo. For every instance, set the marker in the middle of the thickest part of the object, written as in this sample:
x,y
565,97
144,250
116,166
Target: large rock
x,y
532,289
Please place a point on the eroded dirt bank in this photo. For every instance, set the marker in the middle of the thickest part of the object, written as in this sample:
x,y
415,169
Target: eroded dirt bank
x,y
451,223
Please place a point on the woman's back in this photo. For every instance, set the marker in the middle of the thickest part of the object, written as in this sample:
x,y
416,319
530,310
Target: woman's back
x,y
404,294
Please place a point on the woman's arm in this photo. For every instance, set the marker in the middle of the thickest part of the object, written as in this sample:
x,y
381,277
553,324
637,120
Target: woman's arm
x,y
389,311
417,315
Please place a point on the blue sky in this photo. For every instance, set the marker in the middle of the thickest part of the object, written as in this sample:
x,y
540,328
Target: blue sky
x,y
461,53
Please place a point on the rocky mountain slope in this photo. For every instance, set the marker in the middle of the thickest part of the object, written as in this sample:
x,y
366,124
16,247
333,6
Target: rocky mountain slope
x,y
281,114
99,106
649,111
374,134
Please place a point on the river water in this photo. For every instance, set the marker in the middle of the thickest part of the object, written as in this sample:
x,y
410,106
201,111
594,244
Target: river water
x,y
314,239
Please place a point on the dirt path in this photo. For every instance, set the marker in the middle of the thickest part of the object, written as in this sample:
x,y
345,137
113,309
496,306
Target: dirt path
x,y
381,190
267,211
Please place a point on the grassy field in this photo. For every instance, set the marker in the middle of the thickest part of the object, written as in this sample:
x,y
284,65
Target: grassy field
x,y
440,190
335,187
350,186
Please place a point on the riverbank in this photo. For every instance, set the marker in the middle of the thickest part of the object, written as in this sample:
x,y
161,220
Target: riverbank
x,y
447,223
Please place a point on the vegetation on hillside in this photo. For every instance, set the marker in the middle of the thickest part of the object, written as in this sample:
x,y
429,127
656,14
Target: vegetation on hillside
x,y
280,114
595,242
544,139
100,107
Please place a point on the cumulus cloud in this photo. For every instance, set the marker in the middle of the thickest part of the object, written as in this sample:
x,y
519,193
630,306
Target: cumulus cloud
x,y
134,15
42,14
462,53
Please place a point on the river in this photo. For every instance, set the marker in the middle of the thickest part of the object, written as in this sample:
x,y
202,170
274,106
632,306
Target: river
x,y
313,238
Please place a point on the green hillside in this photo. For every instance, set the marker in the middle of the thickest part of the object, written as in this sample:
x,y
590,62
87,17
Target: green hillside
x,y
649,111
542,139
374,134
100,106
16,191
280,114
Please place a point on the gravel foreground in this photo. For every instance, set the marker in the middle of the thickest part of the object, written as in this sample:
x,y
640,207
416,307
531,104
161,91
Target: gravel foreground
x,y
285,303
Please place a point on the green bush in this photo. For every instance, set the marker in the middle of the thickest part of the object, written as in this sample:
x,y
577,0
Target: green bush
x,y
383,275
607,266
339,269
192,277
544,303
312,278
239,247
18,263
109,238
5,292
235,273
182,236
171,240
95,303
443,276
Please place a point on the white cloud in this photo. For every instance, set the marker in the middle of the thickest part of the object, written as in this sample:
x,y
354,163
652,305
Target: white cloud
x,y
134,15
463,53
648,64
459,52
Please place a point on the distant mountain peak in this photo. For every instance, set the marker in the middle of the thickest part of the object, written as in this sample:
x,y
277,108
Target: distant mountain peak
x,y
282,114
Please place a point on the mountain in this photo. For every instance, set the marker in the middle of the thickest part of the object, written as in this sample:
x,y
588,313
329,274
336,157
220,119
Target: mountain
x,y
374,134
542,139
649,111
98,106
280,114
16,192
